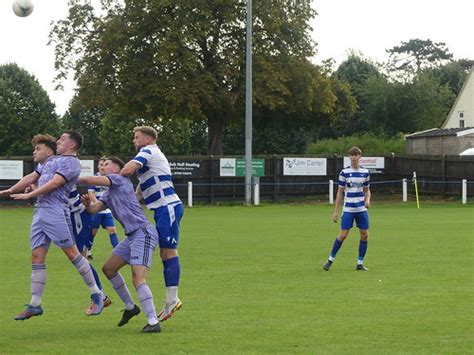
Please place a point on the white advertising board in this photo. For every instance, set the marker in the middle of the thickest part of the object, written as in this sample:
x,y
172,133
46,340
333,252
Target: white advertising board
x,y
11,169
371,163
305,166
87,168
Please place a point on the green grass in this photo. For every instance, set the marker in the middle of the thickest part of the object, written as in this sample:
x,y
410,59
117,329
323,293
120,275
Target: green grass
x,y
252,282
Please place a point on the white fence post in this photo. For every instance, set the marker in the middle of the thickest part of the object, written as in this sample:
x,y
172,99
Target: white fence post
x,y
256,192
464,191
405,190
190,194
331,192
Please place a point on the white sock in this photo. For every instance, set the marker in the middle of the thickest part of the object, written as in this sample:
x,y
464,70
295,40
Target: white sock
x,y
171,294
152,320
35,301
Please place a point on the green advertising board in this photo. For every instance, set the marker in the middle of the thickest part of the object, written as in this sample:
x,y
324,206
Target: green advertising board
x,y
258,167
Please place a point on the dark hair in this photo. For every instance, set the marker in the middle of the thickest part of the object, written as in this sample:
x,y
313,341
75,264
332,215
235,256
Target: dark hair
x,y
355,151
45,139
76,137
116,160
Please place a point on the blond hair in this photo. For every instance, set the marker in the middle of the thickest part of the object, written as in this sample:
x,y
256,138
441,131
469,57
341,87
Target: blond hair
x,y
146,130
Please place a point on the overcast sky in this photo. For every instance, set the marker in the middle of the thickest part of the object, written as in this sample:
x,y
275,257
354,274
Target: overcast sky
x,y
369,26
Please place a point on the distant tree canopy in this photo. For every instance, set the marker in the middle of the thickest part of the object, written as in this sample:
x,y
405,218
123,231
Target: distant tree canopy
x,y
411,97
417,54
25,110
180,67
157,62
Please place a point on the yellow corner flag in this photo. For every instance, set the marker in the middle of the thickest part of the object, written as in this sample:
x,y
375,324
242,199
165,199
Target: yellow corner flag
x,y
416,190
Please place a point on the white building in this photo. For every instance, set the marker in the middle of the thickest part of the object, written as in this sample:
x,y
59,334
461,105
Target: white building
x,y
457,132
462,112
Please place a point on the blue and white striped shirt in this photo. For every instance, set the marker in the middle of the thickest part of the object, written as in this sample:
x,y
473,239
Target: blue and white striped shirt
x,y
155,177
74,201
353,181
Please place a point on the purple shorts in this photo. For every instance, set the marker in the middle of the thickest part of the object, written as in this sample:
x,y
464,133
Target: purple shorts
x,y
137,247
51,225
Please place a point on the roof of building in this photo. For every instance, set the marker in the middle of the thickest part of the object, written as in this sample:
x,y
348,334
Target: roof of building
x,y
442,132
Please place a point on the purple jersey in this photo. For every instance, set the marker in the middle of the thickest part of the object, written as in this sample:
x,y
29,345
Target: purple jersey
x,y
69,168
122,201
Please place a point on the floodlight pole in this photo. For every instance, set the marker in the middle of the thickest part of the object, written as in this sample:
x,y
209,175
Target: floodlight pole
x,y
248,107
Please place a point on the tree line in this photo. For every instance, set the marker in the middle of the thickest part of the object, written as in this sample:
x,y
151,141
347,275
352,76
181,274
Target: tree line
x,y
180,67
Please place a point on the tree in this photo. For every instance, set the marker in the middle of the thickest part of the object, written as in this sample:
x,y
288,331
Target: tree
x,y
149,60
416,54
356,71
452,74
88,121
25,110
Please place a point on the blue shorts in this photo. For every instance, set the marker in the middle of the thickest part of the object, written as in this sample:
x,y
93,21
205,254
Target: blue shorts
x,y
361,218
82,229
167,220
51,225
102,219
137,247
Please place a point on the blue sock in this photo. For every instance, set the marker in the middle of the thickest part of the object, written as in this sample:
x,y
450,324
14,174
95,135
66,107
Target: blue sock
x,y
171,271
113,239
335,248
362,249
96,278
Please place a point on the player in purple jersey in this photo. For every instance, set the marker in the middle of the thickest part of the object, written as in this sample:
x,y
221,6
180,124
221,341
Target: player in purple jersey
x,y
51,220
136,249
103,218
355,191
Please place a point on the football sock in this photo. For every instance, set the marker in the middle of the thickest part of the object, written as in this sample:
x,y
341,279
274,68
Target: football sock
x,y
335,248
171,294
171,271
84,268
362,251
96,277
38,281
118,283
146,299
113,239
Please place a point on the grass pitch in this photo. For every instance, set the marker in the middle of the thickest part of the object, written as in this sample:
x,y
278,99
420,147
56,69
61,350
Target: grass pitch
x,y
252,282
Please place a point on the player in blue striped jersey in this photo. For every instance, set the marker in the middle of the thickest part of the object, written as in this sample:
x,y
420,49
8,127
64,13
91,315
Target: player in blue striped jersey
x,y
157,189
81,221
354,186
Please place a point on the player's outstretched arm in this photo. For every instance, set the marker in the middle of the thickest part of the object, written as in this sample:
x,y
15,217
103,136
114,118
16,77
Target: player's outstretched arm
x,y
94,180
130,168
21,185
92,195
51,185
92,207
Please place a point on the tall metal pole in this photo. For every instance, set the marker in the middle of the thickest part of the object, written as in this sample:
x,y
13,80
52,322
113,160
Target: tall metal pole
x,y
248,107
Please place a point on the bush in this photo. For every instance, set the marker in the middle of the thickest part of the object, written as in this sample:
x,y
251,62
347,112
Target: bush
x,y
369,143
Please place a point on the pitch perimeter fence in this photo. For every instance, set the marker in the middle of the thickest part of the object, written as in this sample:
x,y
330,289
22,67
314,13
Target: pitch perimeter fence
x,y
437,176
